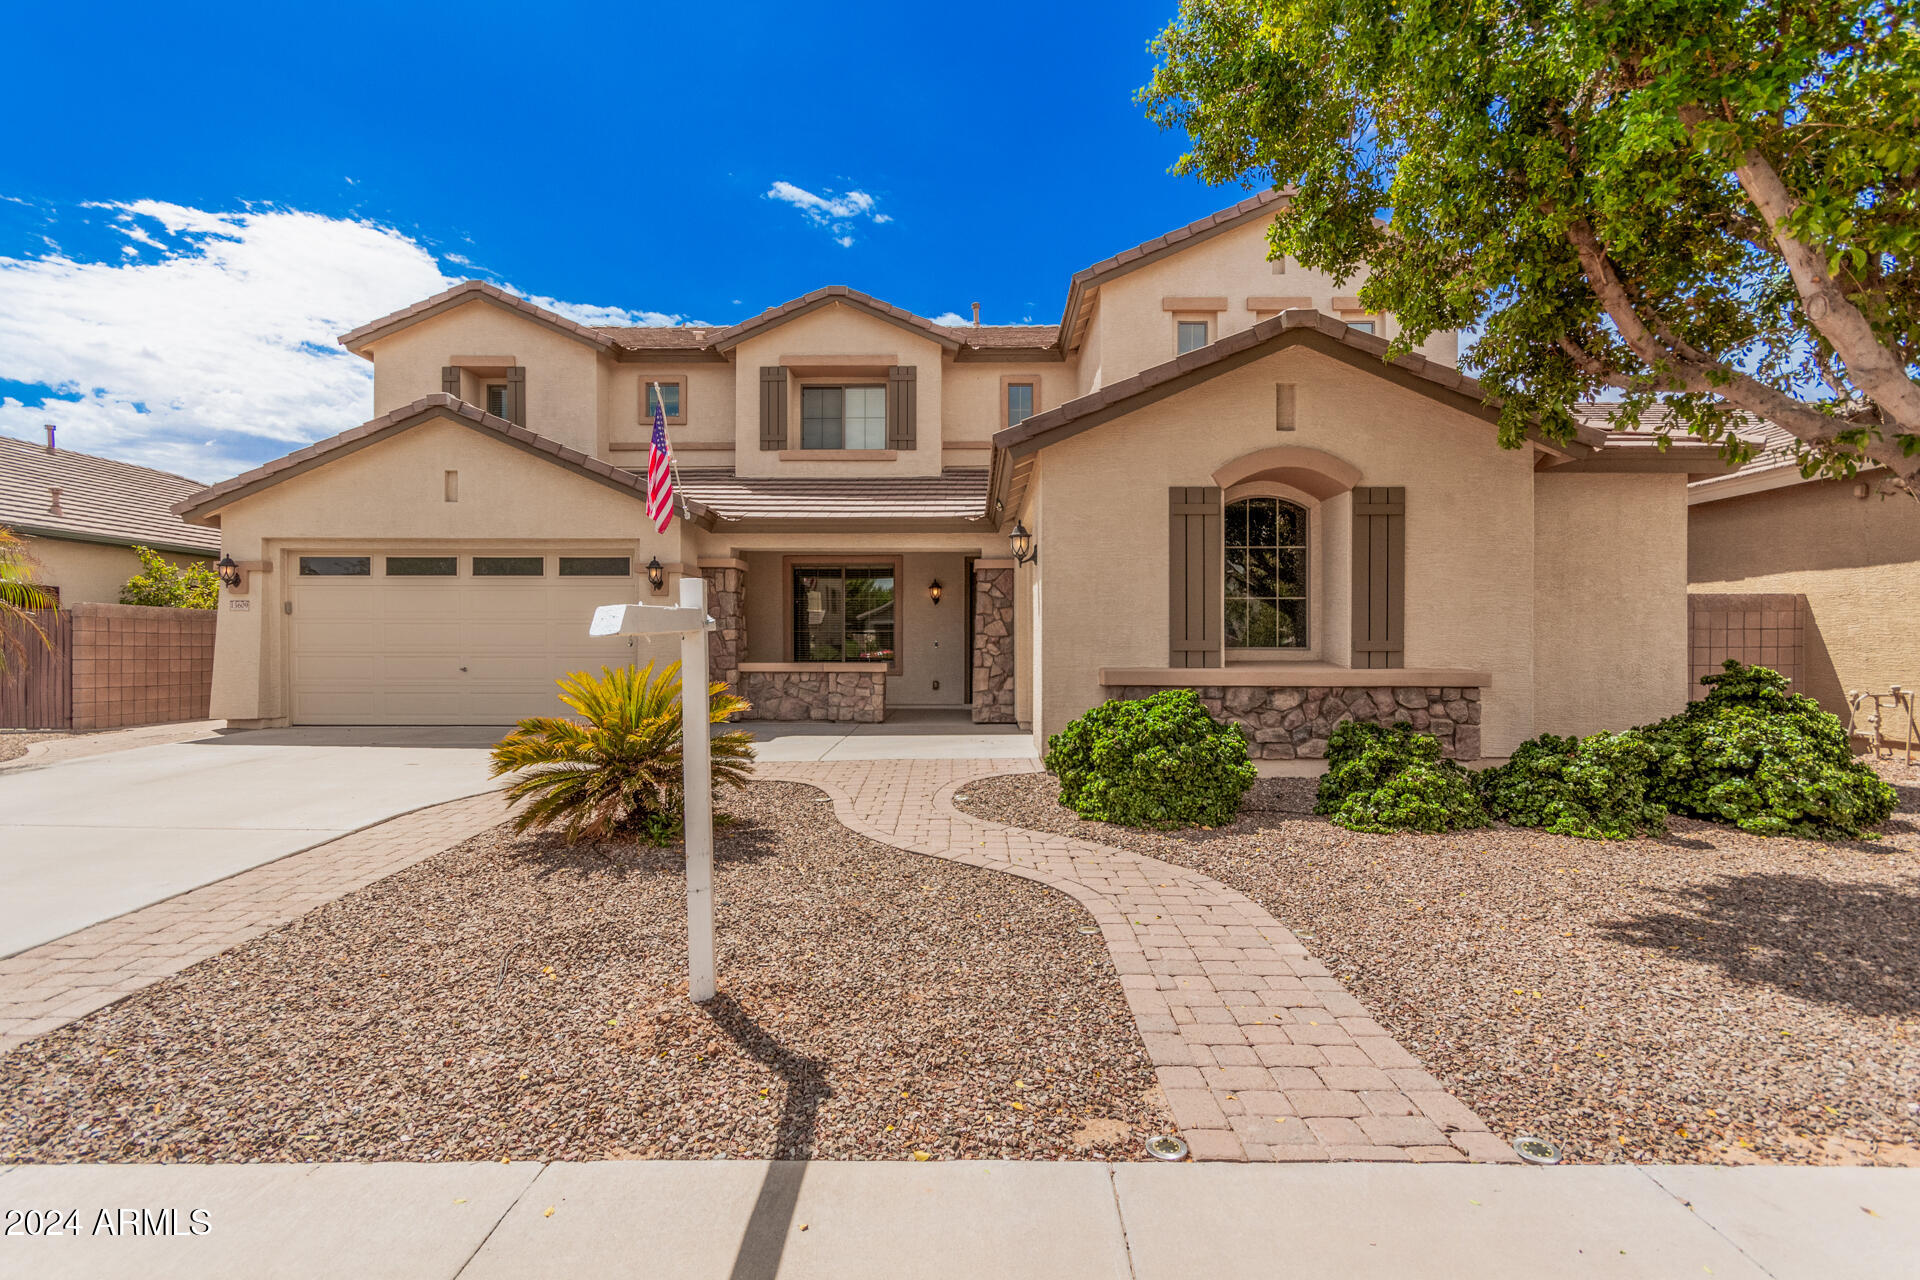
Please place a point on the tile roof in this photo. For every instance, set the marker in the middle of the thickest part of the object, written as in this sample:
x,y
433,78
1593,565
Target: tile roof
x,y
954,494
1776,444
833,293
198,506
101,499
658,337
988,337
464,292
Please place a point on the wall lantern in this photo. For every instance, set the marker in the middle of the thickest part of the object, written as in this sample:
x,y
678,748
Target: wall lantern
x,y
229,571
656,575
935,590
1023,550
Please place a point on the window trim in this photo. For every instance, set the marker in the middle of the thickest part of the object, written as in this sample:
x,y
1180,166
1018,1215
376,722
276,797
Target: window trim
x,y
1010,380
646,401
1316,576
789,563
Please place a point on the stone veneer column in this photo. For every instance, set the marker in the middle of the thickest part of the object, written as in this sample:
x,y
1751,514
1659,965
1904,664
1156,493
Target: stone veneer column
x,y
727,605
993,642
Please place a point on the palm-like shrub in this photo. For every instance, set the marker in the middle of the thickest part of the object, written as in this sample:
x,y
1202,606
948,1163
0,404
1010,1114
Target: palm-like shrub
x,y
615,771
1160,762
1388,779
20,597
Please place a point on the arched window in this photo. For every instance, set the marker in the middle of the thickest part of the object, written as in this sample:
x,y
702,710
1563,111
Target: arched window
x,y
1266,568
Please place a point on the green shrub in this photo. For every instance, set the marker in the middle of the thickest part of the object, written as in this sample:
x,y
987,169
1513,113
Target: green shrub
x,y
1765,760
1152,762
615,772
1393,779
166,585
1594,787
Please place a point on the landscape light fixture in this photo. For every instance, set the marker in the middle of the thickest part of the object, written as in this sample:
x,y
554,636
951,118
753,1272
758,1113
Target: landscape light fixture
x,y
1536,1150
656,575
1023,551
1166,1147
935,590
229,571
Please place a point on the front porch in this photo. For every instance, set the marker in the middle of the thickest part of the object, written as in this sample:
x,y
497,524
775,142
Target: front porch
x,y
922,734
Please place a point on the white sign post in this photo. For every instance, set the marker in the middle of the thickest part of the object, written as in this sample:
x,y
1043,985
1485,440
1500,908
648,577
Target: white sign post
x,y
690,622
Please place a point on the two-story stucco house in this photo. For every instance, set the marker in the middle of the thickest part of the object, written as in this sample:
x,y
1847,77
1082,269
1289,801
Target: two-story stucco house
x,y
1216,480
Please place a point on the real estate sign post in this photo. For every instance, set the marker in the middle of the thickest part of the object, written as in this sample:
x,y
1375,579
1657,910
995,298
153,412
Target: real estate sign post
x,y
690,622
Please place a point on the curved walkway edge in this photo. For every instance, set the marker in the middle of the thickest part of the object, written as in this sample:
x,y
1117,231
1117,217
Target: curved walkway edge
x,y
1262,1054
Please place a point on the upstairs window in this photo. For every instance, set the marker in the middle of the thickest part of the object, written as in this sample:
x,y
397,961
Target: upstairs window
x,y
1266,574
843,417
667,393
497,402
1364,326
1019,402
1190,335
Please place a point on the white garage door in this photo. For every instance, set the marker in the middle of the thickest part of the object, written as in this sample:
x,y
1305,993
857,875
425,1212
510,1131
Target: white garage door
x,y
447,637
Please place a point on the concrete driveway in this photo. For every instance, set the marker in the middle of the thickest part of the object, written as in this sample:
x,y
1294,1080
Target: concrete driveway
x,y
86,840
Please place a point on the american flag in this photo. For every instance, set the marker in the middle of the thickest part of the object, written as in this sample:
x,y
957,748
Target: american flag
x,y
659,469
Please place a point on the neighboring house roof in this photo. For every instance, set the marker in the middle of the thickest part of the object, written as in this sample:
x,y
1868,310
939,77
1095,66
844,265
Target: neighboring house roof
x,y
461,294
1774,464
955,495
200,507
836,294
101,500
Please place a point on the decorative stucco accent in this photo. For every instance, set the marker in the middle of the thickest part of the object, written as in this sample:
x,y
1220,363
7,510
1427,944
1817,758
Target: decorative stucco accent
x,y
1293,723
992,645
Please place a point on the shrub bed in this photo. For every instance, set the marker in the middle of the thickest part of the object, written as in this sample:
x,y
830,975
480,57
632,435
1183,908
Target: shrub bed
x,y
1158,762
1594,787
1388,779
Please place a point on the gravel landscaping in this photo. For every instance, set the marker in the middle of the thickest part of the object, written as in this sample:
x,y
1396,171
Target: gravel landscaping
x,y
14,744
1707,997
512,998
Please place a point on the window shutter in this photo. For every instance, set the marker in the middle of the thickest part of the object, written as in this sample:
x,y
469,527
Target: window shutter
x,y
903,406
773,407
1379,577
1194,585
517,396
450,381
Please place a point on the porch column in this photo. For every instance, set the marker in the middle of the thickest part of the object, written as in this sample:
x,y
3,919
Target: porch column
x,y
727,605
993,642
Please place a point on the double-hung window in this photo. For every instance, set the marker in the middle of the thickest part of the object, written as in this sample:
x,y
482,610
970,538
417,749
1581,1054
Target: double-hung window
x,y
1019,402
843,613
1190,335
843,417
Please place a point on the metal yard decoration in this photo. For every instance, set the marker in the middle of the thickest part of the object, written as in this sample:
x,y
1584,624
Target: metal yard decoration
x,y
690,622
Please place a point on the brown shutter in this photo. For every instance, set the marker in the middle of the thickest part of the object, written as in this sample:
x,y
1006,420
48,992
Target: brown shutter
x,y
450,381
1379,577
517,396
1194,577
773,407
903,406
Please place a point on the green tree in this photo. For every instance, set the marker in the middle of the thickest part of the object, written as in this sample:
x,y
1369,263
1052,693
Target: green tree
x,y
1710,204
615,771
164,584
20,596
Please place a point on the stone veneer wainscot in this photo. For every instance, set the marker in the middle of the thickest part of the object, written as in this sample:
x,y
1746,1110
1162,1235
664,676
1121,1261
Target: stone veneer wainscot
x,y
853,692
1293,722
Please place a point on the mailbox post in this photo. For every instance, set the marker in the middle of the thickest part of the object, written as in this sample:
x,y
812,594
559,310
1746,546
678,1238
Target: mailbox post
x,y
690,622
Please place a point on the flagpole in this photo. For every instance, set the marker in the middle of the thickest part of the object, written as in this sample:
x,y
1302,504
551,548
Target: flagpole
x,y
673,459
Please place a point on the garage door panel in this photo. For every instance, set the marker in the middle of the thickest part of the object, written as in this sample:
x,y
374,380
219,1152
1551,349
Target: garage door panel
x,y
379,650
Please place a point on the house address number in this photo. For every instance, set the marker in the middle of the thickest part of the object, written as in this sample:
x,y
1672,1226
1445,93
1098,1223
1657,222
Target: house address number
x,y
241,605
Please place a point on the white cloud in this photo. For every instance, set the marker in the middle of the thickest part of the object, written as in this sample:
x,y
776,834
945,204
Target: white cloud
x,y
952,317
839,215
212,348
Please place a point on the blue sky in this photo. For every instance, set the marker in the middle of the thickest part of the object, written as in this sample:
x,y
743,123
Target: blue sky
x,y
201,200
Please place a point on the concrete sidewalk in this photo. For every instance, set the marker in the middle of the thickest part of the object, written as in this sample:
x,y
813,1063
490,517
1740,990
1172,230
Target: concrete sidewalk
x,y
750,1220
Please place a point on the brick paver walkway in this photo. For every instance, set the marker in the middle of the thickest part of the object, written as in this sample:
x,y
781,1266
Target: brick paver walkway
x,y
59,981
1261,1053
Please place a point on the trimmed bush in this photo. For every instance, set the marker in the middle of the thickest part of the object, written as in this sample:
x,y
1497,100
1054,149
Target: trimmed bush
x,y
1394,779
1152,762
1594,787
1765,760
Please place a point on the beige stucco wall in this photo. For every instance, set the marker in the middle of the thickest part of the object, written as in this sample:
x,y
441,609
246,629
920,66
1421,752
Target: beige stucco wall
x,y
391,497
1610,615
1132,331
1857,560
563,374
835,330
89,572
709,407
1470,534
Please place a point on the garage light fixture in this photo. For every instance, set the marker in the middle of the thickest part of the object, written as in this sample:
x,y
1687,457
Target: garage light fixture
x,y
934,590
229,571
1023,549
656,575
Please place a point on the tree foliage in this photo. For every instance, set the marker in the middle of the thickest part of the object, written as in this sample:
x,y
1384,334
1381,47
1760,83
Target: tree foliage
x,y
20,598
1160,761
166,585
1712,205
615,771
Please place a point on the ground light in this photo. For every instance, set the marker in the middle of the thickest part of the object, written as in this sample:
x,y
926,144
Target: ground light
x,y
1536,1150
1164,1146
